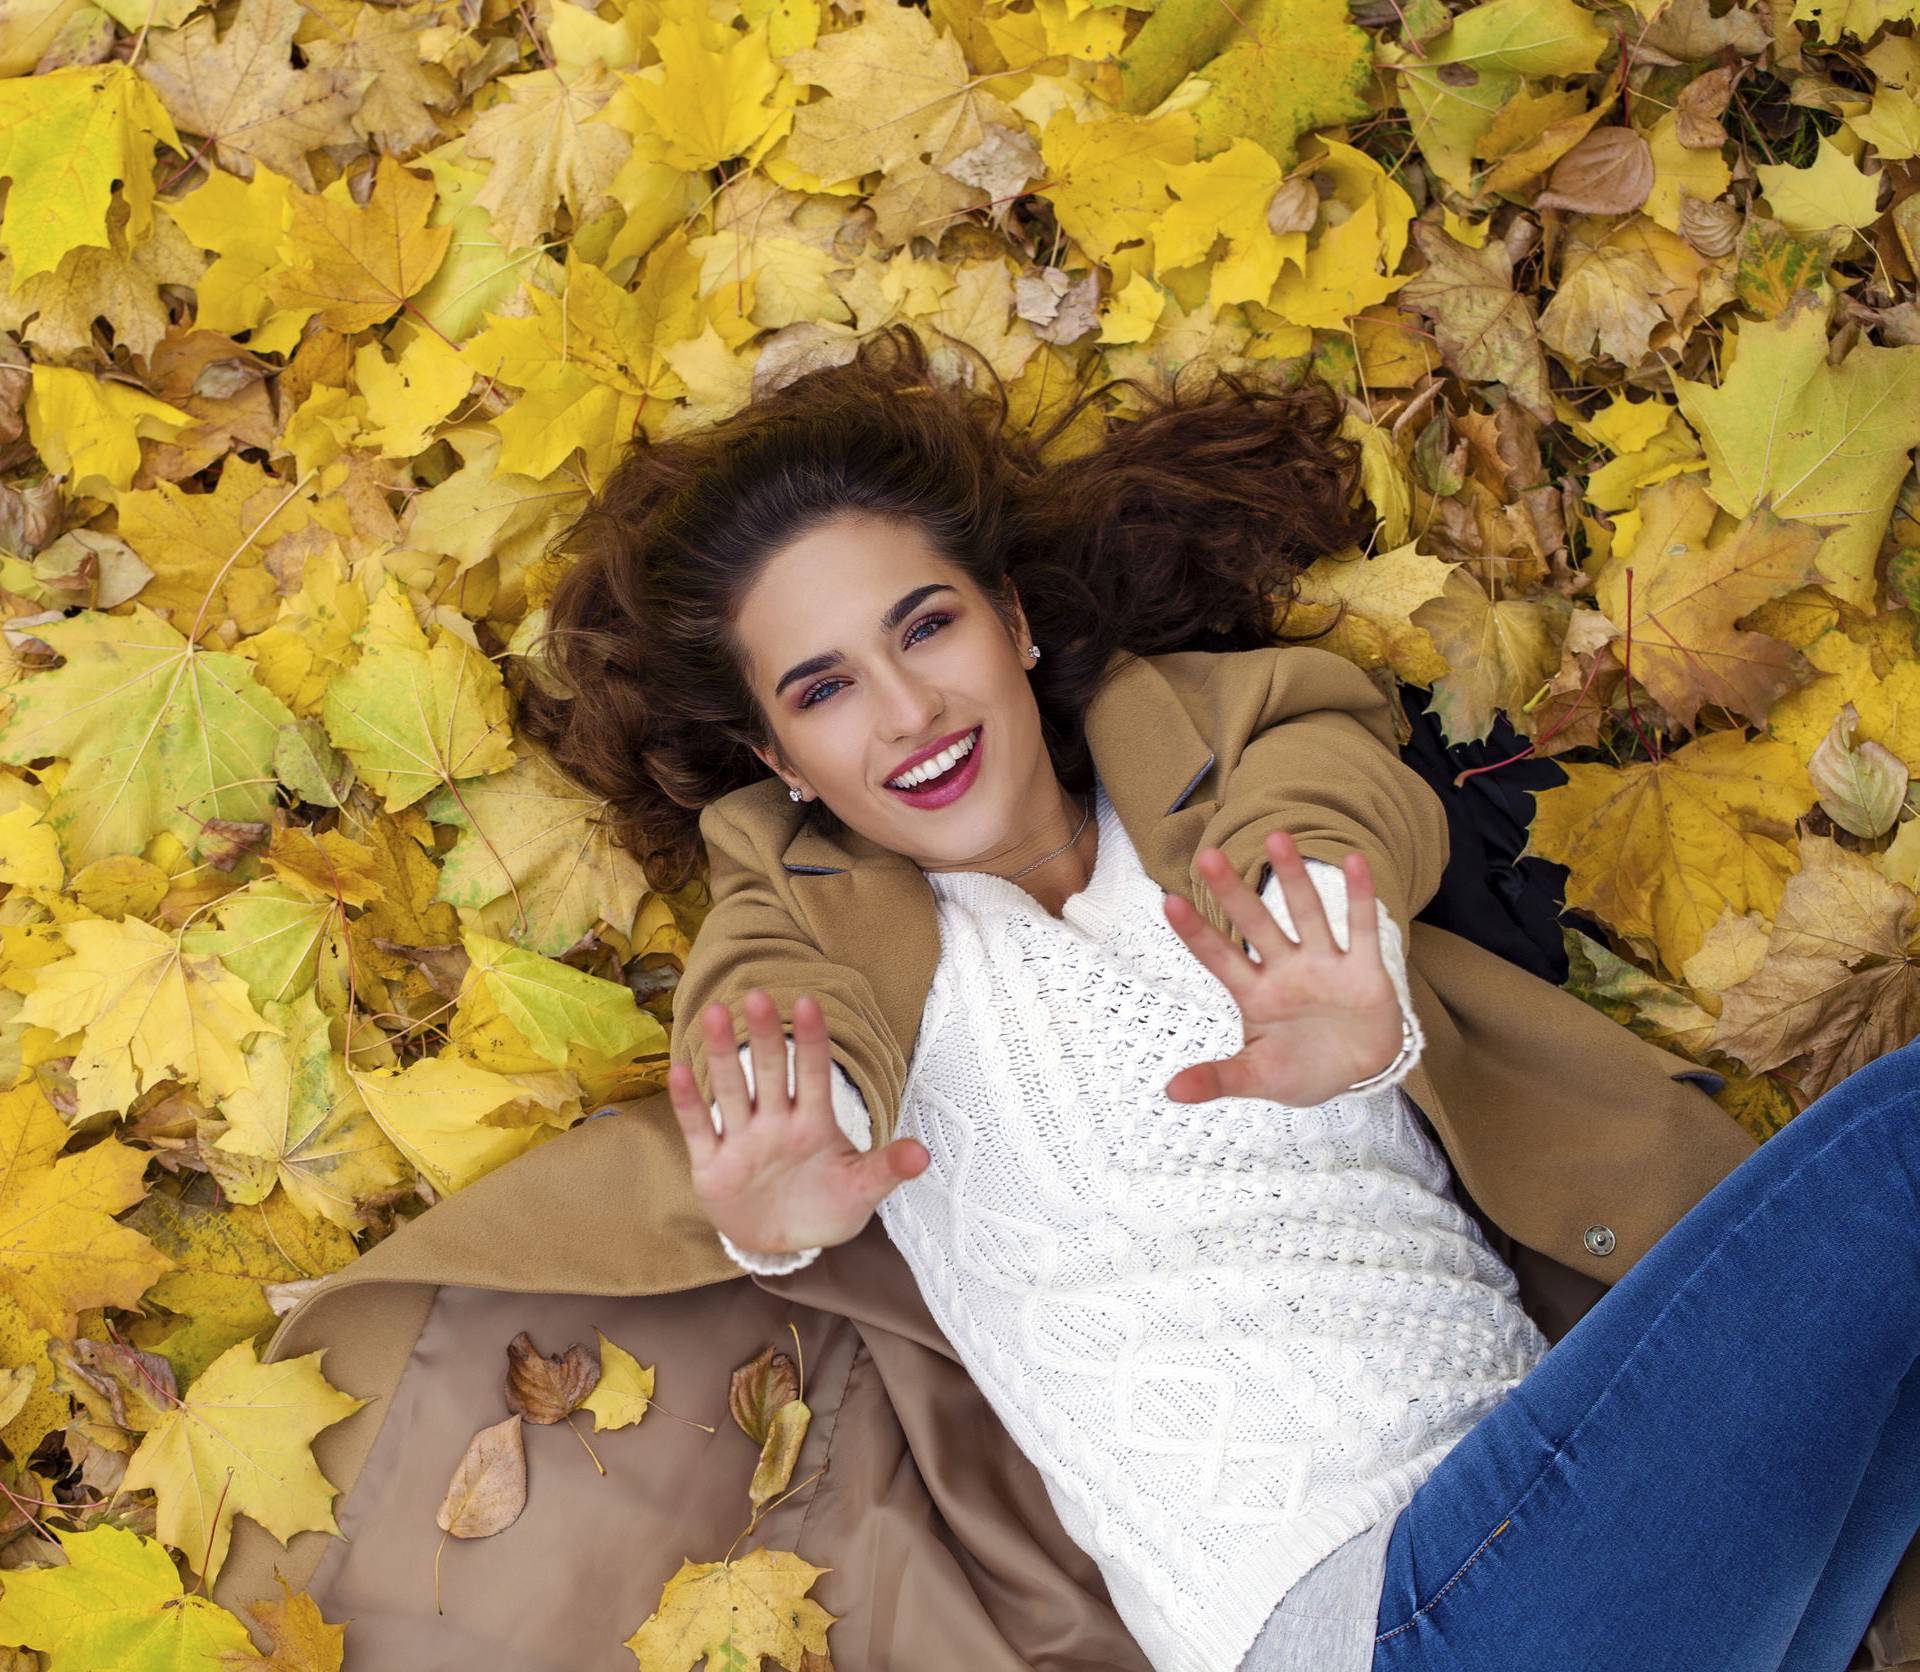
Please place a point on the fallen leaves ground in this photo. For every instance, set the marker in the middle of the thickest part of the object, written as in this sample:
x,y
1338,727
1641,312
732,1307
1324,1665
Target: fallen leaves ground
x,y
318,318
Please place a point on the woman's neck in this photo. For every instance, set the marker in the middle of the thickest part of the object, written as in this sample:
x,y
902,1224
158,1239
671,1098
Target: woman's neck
x,y
1066,874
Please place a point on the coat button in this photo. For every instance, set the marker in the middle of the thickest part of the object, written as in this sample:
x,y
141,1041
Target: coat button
x,y
1599,1239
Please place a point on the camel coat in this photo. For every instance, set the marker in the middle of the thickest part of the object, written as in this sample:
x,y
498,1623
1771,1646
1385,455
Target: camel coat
x,y
1574,1143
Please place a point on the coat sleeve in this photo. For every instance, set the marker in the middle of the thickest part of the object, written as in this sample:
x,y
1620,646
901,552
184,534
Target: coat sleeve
x,y
1322,763
754,936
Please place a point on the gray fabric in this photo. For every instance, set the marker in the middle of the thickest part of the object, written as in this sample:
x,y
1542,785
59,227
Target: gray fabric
x,y
1330,1615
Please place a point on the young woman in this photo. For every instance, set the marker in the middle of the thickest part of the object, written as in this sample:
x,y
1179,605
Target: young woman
x,y
1267,1406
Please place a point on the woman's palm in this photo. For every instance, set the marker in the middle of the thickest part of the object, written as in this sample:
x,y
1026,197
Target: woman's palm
x,y
781,1176
1314,1019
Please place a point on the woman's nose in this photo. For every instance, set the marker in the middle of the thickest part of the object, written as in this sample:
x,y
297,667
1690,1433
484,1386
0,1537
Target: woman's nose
x,y
911,706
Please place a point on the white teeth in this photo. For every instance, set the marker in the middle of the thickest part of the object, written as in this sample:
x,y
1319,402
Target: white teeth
x,y
934,767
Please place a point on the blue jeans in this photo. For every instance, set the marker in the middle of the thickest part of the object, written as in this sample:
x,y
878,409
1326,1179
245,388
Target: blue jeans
x,y
1718,1468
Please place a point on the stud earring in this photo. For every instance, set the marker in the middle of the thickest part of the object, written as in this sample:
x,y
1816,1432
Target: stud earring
x,y
795,795
1033,650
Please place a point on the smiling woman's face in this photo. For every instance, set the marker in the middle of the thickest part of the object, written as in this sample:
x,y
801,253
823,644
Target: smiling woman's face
x,y
864,648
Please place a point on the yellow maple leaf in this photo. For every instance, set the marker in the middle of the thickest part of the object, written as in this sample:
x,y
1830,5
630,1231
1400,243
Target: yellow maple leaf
x,y
147,1011
302,1120
240,1442
1825,443
414,713
243,223
89,430
65,137
116,1603
60,1249
1689,589
1660,849
243,91
1381,593
1837,987
1829,191
735,1613
452,1120
547,148
303,1641
352,267
715,93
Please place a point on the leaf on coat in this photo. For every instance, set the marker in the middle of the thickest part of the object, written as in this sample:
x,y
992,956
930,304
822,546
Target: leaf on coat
x,y
302,1639
736,1614
489,1486
548,1388
758,1388
624,1392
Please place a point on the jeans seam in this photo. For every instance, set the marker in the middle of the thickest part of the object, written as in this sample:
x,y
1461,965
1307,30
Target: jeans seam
x,y
1433,1601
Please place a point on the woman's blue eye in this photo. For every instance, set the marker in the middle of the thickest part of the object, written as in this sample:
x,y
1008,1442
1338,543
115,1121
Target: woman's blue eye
x,y
914,636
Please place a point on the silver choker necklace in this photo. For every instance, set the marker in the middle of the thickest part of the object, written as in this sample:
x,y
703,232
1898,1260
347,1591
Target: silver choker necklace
x,y
1024,869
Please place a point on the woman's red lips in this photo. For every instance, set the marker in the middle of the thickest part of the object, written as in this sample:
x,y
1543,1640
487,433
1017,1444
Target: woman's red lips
x,y
958,779
930,751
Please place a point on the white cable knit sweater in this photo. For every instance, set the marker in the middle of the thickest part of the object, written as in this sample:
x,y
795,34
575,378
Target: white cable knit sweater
x,y
1229,1335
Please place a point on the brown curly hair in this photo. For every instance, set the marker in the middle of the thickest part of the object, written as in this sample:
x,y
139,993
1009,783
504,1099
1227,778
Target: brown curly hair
x,y
1175,529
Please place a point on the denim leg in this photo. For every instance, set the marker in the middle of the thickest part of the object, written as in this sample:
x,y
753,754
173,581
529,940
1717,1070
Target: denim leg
x,y
1668,1487
1873,1538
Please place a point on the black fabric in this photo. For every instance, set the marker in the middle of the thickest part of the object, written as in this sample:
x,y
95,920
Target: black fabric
x,y
1487,893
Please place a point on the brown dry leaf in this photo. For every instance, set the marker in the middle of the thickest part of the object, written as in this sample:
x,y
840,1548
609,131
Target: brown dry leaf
x,y
781,1451
244,93
1703,101
489,1486
1610,172
757,1390
1841,983
1688,32
1604,305
548,1388
1862,784
1486,329
1689,589
1294,207
1711,227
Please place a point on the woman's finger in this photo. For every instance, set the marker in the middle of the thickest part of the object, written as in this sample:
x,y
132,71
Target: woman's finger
x,y
768,1038
1304,905
1363,914
728,1078
813,1062
1228,963
695,1118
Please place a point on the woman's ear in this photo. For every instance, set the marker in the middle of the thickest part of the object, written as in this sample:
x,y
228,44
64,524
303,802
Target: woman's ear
x,y
770,759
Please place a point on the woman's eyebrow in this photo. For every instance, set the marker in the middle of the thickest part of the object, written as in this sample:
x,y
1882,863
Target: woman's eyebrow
x,y
896,614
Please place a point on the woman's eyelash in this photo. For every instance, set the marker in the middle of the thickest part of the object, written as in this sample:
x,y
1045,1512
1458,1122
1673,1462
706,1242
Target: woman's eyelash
x,y
937,621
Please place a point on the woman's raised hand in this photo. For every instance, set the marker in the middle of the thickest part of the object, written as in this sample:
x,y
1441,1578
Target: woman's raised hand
x,y
780,1176
1316,1020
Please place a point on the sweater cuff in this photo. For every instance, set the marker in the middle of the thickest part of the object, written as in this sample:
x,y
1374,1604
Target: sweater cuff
x,y
850,1115
1330,882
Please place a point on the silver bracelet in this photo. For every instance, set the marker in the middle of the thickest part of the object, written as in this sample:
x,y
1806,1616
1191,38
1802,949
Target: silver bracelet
x,y
1407,1042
